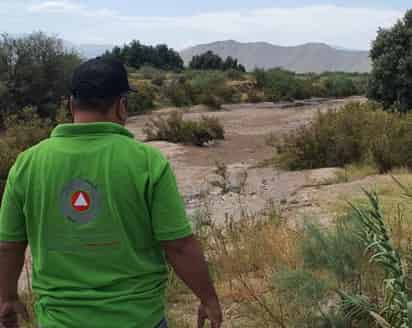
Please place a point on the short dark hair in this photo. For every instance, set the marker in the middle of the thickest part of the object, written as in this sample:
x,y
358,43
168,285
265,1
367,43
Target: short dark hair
x,y
95,104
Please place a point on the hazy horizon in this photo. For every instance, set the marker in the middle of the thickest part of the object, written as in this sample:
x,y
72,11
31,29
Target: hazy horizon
x,y
180,24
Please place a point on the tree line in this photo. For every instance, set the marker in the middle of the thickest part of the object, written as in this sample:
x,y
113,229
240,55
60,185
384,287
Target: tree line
x,y
137,55
162,57
211,61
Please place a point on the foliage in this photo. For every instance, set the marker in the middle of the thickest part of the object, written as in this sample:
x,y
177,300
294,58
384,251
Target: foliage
x,y
23,130
34,71
337,250
179,92
279,84
211,89
137,55
358,133
142,101
174,129
211,61
156,76
393,311
391,77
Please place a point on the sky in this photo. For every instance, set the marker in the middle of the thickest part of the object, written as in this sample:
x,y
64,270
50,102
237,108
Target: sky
x,y
182,23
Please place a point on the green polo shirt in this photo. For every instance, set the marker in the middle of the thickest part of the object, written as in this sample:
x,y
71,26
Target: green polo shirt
x,y
94,205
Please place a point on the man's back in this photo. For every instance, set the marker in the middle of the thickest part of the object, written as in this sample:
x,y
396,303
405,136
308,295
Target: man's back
x,y
96,205
101,213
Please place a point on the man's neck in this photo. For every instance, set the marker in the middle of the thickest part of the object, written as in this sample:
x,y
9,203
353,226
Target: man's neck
x,y
87,117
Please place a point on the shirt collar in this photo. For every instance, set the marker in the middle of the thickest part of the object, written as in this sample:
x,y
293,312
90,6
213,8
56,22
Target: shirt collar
x,y
81,129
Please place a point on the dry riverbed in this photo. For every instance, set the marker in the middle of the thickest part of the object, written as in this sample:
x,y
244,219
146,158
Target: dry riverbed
x,y
250,187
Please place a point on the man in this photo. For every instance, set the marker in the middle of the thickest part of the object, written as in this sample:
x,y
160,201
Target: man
x,y
101,214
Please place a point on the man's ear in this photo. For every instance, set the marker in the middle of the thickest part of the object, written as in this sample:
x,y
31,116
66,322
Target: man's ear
x,y
121,110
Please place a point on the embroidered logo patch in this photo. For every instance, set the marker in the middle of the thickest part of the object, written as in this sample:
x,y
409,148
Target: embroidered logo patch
x,y
80,201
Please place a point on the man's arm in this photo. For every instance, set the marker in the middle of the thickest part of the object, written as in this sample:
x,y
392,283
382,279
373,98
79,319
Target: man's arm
x,y
12,256
187,259
172,229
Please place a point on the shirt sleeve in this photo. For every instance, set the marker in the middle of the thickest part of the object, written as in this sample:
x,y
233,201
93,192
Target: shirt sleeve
x,y
168,212
12,220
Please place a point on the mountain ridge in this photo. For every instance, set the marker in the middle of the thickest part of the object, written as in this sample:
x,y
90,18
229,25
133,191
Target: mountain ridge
x,y
316,57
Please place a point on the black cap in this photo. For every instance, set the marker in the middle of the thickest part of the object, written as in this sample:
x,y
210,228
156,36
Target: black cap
x,y
100,78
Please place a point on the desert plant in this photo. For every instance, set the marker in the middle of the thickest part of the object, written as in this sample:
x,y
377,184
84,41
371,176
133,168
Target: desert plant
x,y
358,133
179,92
23,130
143,101
210,89
174,128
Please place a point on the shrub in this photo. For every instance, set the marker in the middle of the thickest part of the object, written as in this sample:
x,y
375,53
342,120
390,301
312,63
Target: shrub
x,y
279,84
149,72
358,133
210,89
337,250
142,101
23,130
178,92
159,80
210,100
174,129
236,75
34,71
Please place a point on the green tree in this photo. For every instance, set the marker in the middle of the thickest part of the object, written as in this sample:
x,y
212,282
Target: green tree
x,y
208,60
391,79
137,55
34,71
211,61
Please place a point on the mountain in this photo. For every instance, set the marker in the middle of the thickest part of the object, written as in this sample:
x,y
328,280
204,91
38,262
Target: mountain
x,y
87,51
310,57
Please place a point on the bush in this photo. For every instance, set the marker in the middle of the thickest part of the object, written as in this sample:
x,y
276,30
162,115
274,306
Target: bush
x,y
174,129
178,92
359,133
23,130
143,101
236,75
279,84
34,71
211,89
149,72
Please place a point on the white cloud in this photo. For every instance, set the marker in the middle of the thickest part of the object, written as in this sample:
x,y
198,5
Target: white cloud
x,y
343,26
62,6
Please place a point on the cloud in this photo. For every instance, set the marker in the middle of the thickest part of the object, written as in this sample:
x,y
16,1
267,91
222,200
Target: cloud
x,y
63,6
343,26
